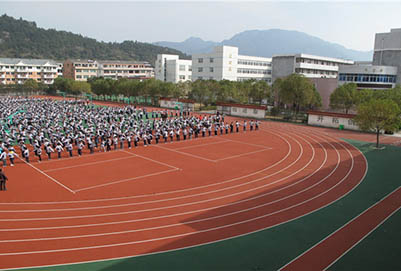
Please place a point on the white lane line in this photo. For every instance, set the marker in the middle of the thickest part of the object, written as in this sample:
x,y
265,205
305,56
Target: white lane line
x,y
364,237
183,234
228,238
167,192
88,164
366,170
150,159
248,199
126,180
182,197
250,144
187,154
50,177
186,196
190,212
239,155
201,145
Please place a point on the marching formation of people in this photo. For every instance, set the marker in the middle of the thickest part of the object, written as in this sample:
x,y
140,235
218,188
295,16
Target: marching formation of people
x,y
53,127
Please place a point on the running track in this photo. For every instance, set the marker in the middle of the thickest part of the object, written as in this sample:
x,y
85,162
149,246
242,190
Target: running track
x,y
147,200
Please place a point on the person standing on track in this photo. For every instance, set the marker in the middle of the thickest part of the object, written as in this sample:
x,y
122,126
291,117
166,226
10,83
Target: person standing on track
x,y
26,154
3,157
69,148
49,151
12,155
39,154
3,180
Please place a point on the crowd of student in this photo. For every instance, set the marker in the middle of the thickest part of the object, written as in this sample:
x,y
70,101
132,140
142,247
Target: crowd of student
x,y
53,126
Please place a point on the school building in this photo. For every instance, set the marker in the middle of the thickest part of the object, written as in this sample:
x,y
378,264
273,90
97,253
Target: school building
x,y
18,70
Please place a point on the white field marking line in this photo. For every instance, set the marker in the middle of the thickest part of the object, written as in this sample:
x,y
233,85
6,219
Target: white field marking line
x,y
88,164
168,207
84,155
366,170
150,159
50,177
182,234
201,145
188,154
250,144
167,192
223,239
209,218
126,180
364,237
177,224
239,155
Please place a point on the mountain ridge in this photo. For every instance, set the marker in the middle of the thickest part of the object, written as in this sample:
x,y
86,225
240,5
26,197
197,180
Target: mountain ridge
x,y
24,39
266,43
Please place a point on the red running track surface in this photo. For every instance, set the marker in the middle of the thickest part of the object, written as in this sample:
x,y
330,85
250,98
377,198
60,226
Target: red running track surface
x,y
146,200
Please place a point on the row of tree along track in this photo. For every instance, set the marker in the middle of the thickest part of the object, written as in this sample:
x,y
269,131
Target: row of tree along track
x,y
247,182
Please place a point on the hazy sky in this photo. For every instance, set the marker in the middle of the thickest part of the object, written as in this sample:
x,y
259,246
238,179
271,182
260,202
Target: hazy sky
x,y
349,23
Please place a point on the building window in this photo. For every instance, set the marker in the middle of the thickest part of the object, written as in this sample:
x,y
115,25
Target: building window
x,y
200,60
335,120
211,69
182,77
182,67
200,69
211,60
320,118
190,68
244,110
234,109
255,111
351,122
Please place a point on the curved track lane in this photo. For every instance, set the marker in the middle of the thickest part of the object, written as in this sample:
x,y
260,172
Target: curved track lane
x,y
211,201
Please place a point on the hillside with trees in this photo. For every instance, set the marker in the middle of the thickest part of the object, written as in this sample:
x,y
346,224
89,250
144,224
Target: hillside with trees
x,y
23,39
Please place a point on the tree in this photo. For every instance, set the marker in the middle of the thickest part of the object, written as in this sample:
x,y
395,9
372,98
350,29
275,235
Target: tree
x,y
30,85
297,90
344,97
260,91
364,95
200,92
395,95
78,87
378,115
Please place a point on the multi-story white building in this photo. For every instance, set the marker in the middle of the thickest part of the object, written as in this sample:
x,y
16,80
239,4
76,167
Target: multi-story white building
x,y
18,70
115,69
224,63
368,76
308,65
169,68
59,69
